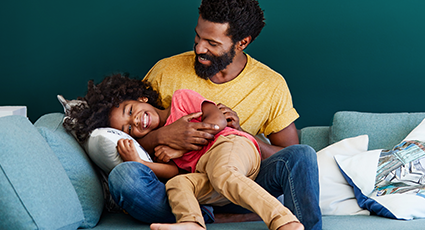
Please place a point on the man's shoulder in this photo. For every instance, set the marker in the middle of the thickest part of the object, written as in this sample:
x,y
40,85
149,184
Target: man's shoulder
x,y
177,65
178,58
264,71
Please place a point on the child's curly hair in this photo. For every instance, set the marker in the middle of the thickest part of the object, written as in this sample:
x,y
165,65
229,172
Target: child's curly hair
x,y
100,98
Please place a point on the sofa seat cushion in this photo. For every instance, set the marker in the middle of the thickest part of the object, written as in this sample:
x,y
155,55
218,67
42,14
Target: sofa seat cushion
x,y
35,191
80,170
384,129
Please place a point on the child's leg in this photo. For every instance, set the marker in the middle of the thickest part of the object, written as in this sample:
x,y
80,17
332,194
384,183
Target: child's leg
x,y
183,191
231,165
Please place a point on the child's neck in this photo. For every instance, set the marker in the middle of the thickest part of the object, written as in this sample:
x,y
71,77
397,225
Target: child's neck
x,y
163,115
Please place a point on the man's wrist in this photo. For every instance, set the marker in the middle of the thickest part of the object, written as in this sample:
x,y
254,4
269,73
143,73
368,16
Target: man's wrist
x,y
160,137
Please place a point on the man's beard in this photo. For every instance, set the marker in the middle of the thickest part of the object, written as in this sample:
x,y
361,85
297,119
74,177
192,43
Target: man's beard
x,y
218,63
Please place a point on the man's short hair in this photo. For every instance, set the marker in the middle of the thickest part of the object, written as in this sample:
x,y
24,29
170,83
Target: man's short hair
x,y
245,17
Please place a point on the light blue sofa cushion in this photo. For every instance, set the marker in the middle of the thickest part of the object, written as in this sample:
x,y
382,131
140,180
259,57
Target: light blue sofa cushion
x,y
35,191
384,129
77,165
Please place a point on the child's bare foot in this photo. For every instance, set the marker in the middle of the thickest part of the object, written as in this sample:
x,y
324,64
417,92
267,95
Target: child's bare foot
x,y
292,226
177,226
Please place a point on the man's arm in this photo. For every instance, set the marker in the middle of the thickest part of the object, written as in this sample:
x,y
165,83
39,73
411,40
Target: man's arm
x,y
181,134
210,115
279,140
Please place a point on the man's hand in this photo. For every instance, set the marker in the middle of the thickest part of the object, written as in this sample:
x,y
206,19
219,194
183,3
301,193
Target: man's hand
x,y
231,117
165,153
185,135
181,135
282,139
127,150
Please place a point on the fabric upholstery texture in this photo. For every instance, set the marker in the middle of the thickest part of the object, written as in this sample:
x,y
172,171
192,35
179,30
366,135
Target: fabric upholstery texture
x,y
80,170
317,137
384,129
35,191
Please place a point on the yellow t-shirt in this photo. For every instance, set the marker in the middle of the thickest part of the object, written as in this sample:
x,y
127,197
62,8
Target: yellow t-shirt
x,y
259,95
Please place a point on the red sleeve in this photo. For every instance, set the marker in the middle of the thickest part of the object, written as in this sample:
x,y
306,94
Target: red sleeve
x,y
184,102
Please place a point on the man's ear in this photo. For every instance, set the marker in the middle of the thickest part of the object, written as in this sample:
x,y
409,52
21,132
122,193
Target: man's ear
x,y
143,99
242,44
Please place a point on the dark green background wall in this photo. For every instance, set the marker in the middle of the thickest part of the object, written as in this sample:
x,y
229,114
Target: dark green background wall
x,y
363,55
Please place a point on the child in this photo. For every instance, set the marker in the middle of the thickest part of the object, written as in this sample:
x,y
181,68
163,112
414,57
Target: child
x,y
222,171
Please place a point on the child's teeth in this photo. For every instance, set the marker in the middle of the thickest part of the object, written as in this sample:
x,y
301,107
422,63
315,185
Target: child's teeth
x,y
145,120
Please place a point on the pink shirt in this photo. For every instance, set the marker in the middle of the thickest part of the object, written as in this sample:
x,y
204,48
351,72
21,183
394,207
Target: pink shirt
x,y
184,102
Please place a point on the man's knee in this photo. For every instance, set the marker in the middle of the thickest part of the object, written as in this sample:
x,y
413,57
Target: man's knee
x,y
299,157
308,153
300,153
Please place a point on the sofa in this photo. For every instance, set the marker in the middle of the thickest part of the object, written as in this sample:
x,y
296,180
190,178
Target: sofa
x,y
47,181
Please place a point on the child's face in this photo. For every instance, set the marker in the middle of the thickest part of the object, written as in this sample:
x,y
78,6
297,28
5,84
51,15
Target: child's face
x,y
136,118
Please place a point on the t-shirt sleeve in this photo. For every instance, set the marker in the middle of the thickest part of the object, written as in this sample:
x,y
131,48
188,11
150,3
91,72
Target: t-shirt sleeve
x,y
282,112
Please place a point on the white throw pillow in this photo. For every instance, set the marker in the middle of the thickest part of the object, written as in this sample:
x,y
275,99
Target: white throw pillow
x,y
101,147
336,195
390,183
417,133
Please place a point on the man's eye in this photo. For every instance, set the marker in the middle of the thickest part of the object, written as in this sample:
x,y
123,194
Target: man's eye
x,y
212,44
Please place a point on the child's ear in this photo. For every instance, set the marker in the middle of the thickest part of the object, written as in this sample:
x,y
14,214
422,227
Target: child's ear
x,y
143,99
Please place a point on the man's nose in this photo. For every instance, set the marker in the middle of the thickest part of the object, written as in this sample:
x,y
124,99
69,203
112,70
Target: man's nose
x,y
200,48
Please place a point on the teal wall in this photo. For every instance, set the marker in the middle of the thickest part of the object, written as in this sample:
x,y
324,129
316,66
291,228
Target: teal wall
x,y
363,55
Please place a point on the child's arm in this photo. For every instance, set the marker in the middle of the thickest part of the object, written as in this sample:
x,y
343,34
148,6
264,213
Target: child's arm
x,y
211,114
128,152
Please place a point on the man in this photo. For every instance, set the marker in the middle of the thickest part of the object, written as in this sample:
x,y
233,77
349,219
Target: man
x,y
253,98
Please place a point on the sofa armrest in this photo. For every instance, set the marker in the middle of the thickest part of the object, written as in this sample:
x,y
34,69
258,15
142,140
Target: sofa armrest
x,y
316,136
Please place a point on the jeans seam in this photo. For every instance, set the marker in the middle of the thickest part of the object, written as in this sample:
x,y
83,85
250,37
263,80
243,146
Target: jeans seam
x,y
294,200
293,194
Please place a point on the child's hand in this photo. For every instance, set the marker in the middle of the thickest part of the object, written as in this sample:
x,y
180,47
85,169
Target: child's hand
x,y
127,150
165,153
231,117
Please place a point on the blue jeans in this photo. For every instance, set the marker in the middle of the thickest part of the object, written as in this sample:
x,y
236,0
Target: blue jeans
x,y
292,171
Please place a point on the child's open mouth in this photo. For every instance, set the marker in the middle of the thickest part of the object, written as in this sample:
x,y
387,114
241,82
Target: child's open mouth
x,y
145,120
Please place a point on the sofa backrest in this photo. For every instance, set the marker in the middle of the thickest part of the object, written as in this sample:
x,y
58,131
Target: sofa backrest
x,y
384,129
